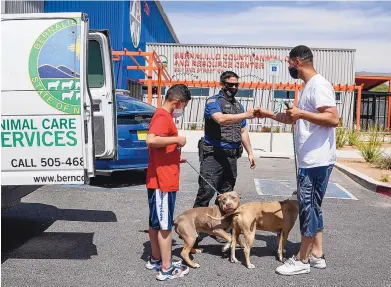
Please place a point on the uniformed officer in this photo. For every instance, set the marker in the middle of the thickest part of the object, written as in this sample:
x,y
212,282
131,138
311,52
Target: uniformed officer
x,y
225,133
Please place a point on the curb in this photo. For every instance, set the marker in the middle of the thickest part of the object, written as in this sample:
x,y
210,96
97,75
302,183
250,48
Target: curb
x,y
365,180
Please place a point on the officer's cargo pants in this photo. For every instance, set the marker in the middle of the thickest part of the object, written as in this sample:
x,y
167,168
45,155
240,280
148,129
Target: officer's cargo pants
x,y
219,168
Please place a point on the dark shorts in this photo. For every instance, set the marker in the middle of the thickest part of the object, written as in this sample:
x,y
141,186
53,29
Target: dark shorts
x,y
161,209
311,190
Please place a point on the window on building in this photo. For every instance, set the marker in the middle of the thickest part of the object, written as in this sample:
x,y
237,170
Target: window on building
x,y
245,93
288,95
338,96
199,92
164,90
96,77
154,90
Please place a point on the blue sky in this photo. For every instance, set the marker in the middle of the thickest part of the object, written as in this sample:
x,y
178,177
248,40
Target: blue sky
x,y
364,26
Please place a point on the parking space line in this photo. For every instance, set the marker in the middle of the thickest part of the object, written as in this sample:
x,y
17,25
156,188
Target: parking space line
x,y
257,187
272,187
347,192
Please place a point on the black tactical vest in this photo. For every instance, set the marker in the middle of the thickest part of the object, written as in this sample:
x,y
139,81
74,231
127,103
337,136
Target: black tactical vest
x,y
225,133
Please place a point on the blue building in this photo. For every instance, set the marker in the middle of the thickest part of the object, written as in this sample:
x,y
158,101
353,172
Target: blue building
x,y
131,25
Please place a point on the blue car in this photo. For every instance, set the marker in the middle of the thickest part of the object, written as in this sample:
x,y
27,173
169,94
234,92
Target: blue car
x,y
133,119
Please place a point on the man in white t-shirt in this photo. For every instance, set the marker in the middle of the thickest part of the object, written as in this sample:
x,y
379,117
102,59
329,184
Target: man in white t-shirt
x,y
316,117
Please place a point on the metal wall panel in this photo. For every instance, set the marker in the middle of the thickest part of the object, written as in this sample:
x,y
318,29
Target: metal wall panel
x,y
101,15
21,7
190,62
194,112
335,65
153,29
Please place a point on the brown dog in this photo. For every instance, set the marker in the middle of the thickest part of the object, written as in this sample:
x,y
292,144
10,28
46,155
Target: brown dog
x,y
276,216
195,220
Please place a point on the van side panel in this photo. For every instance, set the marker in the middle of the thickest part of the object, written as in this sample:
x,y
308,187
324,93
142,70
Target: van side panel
x,y
42,124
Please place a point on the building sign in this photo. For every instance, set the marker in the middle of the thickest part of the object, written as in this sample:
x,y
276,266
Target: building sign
x,y
274,67
164,60
135,22
219,62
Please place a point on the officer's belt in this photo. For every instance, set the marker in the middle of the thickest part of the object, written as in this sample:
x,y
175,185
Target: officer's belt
x,y
220,151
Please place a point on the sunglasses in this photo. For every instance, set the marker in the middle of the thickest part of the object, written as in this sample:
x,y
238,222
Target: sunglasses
x,y
231,85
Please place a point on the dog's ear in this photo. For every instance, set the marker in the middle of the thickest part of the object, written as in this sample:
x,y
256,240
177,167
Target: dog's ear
x,y
239,194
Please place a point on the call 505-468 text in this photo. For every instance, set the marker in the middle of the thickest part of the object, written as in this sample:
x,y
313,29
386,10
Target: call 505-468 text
x,y
47,162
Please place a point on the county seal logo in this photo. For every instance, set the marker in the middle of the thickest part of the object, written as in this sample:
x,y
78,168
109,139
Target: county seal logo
x,y
54,66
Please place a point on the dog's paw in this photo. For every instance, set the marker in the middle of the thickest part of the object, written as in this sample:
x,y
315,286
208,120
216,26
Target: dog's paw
x,y
226,247
234,260
196,265
251,266
280,258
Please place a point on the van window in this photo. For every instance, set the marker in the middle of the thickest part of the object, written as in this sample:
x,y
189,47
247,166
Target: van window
x,y
96,77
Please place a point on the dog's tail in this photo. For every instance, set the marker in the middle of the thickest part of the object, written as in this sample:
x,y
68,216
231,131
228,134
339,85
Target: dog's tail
x,y
224,216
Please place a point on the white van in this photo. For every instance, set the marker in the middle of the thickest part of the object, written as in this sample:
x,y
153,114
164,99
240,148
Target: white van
x,y
57,101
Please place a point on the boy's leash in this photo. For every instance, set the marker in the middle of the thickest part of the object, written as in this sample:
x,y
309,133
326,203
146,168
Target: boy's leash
x,y
214,189
203,177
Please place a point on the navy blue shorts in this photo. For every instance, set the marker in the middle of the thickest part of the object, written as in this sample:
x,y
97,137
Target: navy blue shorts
x,y
311,190
161,209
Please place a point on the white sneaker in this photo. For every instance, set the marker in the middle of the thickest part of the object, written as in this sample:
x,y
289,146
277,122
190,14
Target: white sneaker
x,y
292,266
317,262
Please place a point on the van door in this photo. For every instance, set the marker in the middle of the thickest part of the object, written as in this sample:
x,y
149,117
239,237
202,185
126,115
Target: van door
x,y
46,122
101,85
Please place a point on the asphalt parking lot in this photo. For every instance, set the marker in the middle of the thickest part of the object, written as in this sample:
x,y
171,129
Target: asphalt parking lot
x,y
96,236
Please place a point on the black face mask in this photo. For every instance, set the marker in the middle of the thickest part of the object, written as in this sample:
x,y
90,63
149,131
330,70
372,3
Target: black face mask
x,y
293,72
230,91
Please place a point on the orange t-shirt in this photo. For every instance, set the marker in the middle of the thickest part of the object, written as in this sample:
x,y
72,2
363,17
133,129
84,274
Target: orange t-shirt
x,y
163,163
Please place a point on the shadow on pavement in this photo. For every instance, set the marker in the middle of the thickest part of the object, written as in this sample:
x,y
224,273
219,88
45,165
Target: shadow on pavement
x,y
269,250
120,179
291,248
147,250
23,233
215,249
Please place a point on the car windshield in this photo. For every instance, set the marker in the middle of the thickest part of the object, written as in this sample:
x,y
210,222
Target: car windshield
x,y
133,106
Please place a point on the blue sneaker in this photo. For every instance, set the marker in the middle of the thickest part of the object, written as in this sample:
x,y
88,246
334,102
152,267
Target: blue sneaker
x,y
156,264
173,272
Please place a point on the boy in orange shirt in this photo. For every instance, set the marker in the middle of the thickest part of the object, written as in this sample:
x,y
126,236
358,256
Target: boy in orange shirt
x,y
163,181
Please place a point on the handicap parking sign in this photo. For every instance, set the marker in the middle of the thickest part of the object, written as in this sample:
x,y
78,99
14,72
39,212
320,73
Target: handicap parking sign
x,y
274,67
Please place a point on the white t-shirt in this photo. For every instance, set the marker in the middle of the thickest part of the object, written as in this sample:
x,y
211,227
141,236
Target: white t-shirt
x,y
315,145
